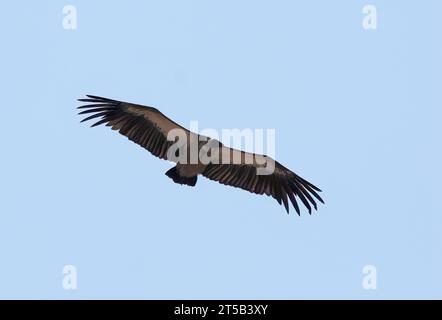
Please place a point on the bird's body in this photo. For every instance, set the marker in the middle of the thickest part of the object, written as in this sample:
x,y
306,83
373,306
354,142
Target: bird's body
x,y
152,130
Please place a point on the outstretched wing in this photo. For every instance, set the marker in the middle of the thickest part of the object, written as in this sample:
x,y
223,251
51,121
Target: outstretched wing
x,y
143,125
282,184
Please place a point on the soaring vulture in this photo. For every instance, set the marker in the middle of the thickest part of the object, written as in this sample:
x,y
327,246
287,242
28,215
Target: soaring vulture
x,y
149,128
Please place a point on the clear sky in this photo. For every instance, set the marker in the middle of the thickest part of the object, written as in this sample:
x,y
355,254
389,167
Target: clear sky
x,y
356,111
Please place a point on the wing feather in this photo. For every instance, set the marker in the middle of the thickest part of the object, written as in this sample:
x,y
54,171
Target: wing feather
x,y
283,185
143,125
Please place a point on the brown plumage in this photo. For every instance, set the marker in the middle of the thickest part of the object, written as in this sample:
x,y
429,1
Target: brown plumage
x,y
149,128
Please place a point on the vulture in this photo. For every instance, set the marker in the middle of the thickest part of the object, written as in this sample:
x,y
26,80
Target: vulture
x,y
149,128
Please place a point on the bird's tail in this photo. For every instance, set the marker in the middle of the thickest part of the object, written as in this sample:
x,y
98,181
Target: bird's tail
x,y
175,176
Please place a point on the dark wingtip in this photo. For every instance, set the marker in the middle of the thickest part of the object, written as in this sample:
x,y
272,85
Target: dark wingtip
x,y
297,210
96,97
315,187
100,122
318,197
101,99
92,98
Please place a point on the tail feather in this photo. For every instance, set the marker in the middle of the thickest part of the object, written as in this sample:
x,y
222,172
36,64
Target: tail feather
x,y
174,175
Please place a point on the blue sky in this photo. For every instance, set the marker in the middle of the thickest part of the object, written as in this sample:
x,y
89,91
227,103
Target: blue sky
x,y
356,111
